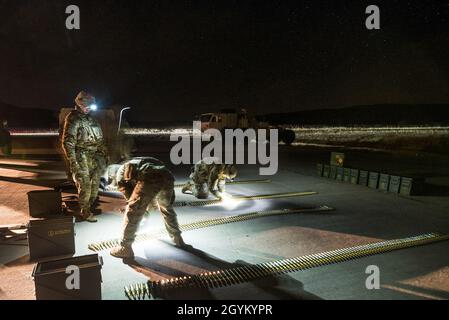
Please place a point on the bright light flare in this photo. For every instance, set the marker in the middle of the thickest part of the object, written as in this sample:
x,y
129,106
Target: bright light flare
x,y
228,202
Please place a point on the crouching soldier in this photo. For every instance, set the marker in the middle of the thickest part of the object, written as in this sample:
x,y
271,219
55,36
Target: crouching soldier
x,y
209,175
147,185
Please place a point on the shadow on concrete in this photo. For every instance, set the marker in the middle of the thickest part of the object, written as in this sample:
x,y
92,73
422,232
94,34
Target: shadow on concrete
x,y
416,292
38,181
435,190
47,174
275,287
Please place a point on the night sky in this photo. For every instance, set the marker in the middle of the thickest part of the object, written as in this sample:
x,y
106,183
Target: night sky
x,y
170,60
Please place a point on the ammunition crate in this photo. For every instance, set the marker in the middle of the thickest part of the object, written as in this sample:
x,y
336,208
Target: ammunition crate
x,y
51,237
346,174
339,175
384,181
411,186
363,178
337,159
333,172
319,169
395,184
44,203
326,171
354,179
373,180
50,278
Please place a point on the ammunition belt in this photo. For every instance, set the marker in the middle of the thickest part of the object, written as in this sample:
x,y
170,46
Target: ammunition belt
x,y
243,198
109,244
241,274
179,185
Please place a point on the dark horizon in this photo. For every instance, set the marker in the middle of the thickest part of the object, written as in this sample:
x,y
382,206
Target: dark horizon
x,y
170,61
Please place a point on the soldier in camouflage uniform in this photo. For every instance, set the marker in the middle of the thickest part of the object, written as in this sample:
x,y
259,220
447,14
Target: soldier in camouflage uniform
x,y
209,175
147,185
85,152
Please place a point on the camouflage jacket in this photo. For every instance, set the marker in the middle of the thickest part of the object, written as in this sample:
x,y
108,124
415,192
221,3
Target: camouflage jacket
x,y
144,169
211,174
81,133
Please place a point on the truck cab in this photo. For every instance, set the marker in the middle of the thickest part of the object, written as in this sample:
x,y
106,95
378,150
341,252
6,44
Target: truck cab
x,y
239,119
226,119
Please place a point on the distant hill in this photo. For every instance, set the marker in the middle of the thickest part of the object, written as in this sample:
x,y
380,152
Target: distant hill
x,y
432,114
18,117
385,114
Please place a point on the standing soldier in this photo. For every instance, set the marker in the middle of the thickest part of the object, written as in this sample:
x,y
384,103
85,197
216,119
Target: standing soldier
x,y
209,175
5,139
147,185
85,152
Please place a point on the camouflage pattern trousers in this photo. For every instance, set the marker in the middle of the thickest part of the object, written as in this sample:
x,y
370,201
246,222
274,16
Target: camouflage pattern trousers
x,y
201,190
154,192
87,178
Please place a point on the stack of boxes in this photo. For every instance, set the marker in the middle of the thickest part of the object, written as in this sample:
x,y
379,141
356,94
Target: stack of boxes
x,y
51,241
382,181
50,233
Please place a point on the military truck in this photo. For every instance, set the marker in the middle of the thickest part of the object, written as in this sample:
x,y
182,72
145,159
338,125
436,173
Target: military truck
x,y
240,119
5,139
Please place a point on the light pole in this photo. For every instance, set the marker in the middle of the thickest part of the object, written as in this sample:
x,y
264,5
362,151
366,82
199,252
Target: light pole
x,y
120,119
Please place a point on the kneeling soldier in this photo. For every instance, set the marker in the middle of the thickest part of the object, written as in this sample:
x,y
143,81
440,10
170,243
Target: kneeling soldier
x,y
208,175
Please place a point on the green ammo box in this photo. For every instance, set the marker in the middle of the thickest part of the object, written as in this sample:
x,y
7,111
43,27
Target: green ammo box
x,y
51,278
51,237
373,180
346,174
354,179
363,177
339,175
395,184
384,181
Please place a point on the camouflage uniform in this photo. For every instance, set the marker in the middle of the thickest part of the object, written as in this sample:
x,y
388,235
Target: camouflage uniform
x,y
147,185
86,154
208,175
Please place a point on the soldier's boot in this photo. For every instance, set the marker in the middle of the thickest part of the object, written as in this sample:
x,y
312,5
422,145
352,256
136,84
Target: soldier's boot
x,y
179,241
187,187
124,251
95,206
200,191
87,215
95,203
